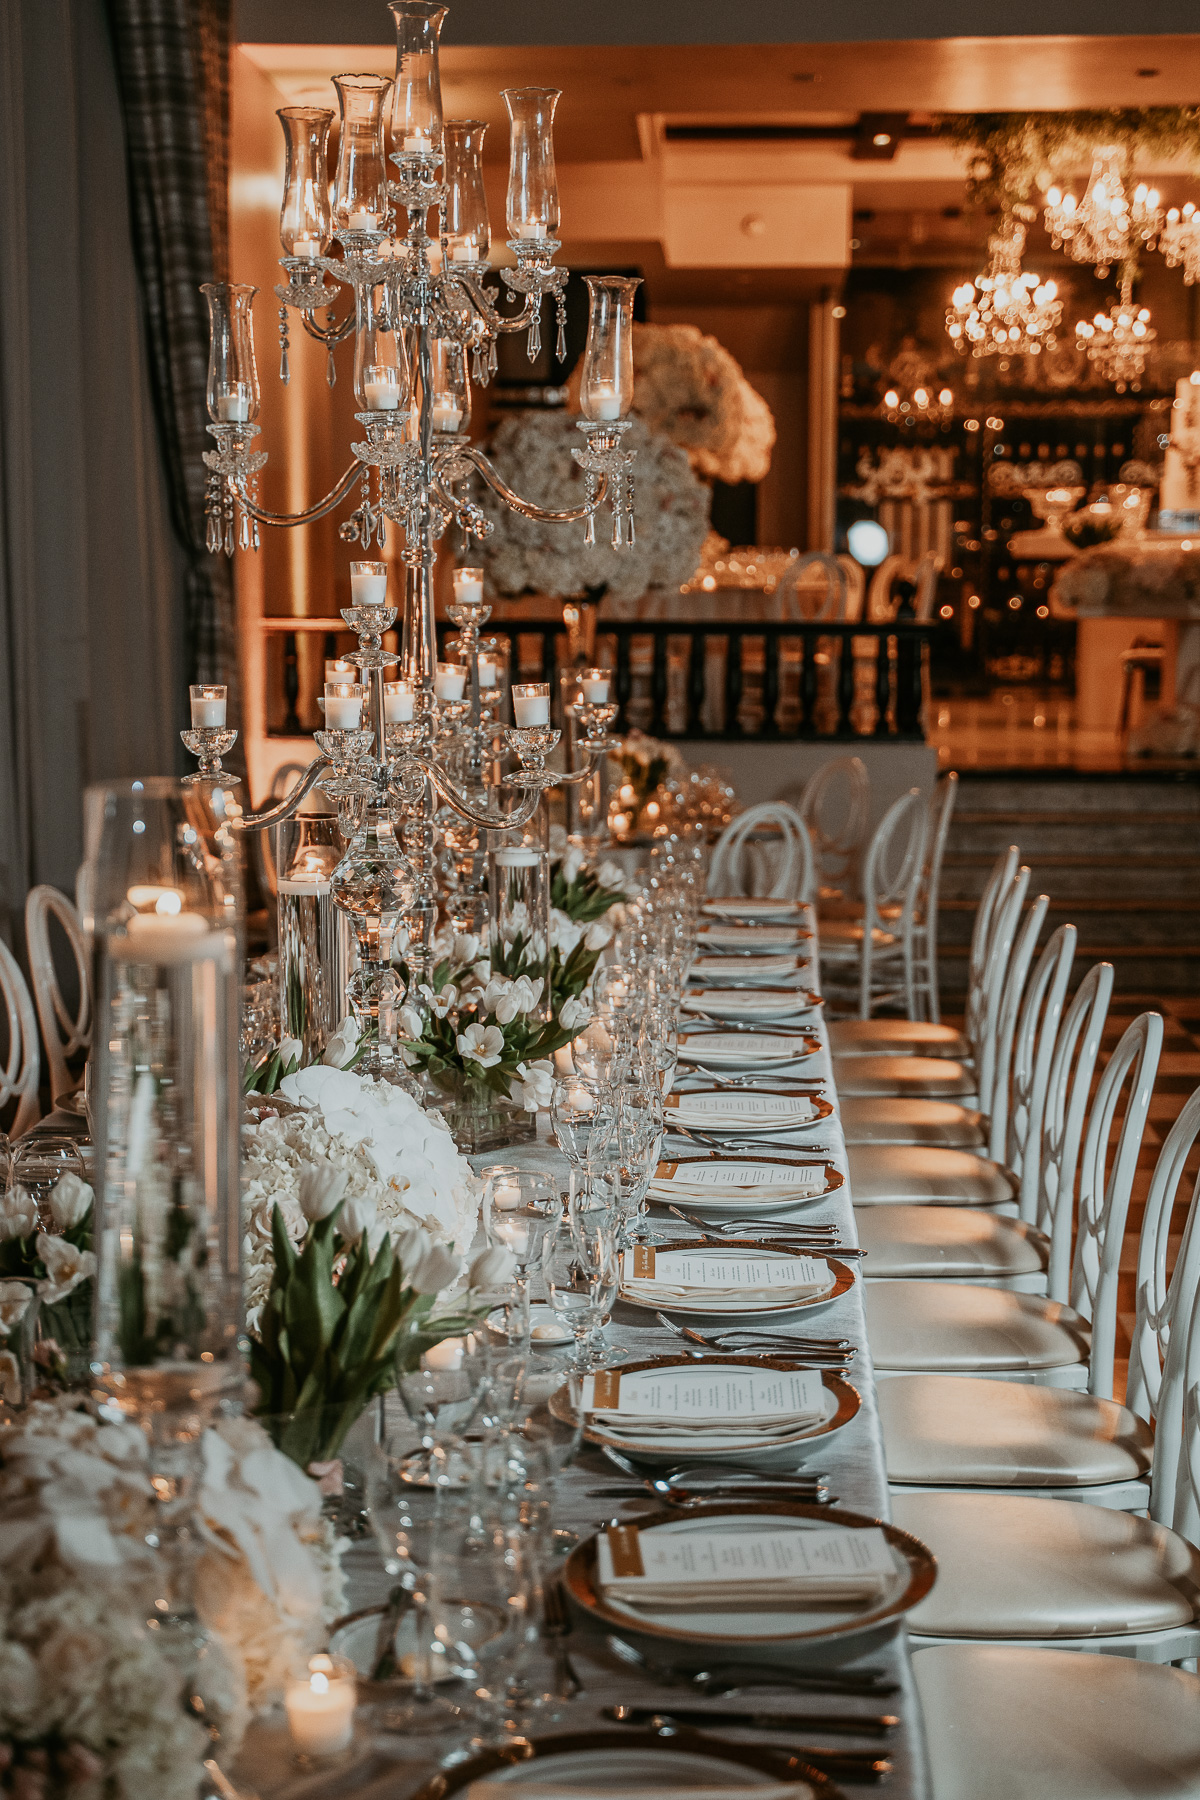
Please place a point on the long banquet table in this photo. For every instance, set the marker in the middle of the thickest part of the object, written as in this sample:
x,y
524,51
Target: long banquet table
x,y
854,1463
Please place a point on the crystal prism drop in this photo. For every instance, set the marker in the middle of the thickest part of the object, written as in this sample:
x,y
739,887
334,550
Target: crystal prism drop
x,y
589,530
331,368
285,372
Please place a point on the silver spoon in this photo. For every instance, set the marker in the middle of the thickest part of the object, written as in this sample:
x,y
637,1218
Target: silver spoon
x,y
842,1347
677,1475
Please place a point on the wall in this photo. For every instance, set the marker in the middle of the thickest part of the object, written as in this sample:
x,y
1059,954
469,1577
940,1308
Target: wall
x,y
778,771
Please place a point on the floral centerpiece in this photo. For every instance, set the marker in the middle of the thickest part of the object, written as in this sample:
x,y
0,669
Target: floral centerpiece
x,y
88,1700
53,1270
645,764
688,387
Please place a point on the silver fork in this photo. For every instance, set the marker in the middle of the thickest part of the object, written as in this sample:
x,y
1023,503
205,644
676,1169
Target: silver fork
x,y
555,1625
757,1081
839,1347
812,1151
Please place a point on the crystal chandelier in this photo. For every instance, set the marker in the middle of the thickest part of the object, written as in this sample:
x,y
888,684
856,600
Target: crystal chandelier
x,y
1180,242
912,393
1117,342
1105,227
402,759
1006,311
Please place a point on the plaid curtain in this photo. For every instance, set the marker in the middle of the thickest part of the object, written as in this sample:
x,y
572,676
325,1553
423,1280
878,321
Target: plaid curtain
x,y
172,60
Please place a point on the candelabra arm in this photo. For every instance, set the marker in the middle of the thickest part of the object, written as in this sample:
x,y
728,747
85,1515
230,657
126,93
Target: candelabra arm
x,y
485,307
336,332
275,815
336,493
490,818
469,453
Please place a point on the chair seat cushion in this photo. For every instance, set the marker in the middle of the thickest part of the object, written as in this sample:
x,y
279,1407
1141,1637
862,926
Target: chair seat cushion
x,y
1002,1721
892,1120
922,1077
880,1173
896,1037
951,1429
945,1325
948,1243
1013,1566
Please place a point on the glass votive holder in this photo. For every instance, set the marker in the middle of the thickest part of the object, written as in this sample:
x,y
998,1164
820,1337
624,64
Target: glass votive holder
x,y
594,685
398,703
450,681
343,706
468,586
531,702
209,701
368,583
320,1699
338,669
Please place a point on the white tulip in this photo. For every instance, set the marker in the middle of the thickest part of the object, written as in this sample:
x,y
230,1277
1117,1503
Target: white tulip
x,y
426,1265
358,1215
18,1212
575,1014
290,1050
482,1044
342,1044
465,948
598,934
14,1298
611,875
492,1268
66,1267
321,1186
572,862
70,1199
534,1085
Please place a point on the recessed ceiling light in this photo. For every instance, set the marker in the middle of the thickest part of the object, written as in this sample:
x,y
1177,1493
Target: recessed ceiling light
x,y
804,75
881,138
1148,74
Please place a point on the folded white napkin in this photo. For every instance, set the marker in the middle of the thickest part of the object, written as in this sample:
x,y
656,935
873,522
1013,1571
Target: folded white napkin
x,y
744,1046
744,968
731,1110
752,937
720,1399
727,1570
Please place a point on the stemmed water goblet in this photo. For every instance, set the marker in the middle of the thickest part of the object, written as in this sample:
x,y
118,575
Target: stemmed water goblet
x,y
580,1266
441,1385
579,1107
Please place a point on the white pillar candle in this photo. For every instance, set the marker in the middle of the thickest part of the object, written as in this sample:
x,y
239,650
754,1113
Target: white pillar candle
x,y
448,1355
363,221
488,672
533,230
209,709
447,416
515,856
308,248
343,710
320,1707
464,253
166,937
234,408
530,709
604,401
595,688
419,141
368,586
382,391
468,586
449,682
397,703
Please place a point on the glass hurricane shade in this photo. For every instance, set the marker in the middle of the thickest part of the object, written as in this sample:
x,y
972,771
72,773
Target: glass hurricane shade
x,y
305,220
417,89
606,386
232,392
360,189
532,210
468,230
450,385
382,377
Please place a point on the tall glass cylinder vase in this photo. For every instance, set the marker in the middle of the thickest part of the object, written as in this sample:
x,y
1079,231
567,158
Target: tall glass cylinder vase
x,y
519,907
315,936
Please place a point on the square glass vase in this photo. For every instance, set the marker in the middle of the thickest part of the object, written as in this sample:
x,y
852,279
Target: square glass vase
x,y
478,1117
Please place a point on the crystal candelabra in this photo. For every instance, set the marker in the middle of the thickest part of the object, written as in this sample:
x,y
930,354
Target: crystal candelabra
x,y
420,314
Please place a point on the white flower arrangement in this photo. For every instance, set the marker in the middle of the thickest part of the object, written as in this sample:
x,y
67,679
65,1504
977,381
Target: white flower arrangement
x,y
86,1695
532,451
688,387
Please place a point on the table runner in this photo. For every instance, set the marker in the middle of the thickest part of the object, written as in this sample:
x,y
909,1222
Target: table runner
x,y
853,1461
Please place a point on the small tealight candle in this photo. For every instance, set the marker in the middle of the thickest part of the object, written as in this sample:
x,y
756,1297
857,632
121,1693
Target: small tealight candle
x,y
515,856
489,671
233,406
343,705
363,221
447,414
468,586
340,670
533,230
397,703
464,252
419,142
448,1355
449,682
604,400
320,1706
209,703
595,684
368,583
514,1234
308,248
381,387
531,702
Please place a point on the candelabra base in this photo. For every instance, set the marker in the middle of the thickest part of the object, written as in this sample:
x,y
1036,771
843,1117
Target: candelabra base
x,y
478,1117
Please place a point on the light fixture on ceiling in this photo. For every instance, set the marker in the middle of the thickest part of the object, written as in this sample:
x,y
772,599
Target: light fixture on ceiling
x,y
1006,311
1106,226
1117,342
1180,241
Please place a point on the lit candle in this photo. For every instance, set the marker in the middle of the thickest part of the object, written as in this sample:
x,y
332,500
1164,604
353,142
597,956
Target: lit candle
x,y
603,400
533,229
449,682
514,1235
363,221
464,252
448,1355
531,702
208,706
343,705
468,585
313,885
488,671
397,703
166,936
233,406
447,414
320,1706
308,248
515,856
340,670
381,388
368,583
595,684
419,142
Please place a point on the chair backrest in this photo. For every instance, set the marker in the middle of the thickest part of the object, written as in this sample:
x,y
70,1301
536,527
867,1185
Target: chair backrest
x,y
1105,1184
1006,923
1071,1068
881,603
941,809
832,604
891,876
65,1030
21,1066
926,578
1003,870
1023,1096
1007,1014
836,805
790,869
856,587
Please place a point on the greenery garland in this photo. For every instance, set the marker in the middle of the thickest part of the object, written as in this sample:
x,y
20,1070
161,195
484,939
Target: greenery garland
x,y
1011,154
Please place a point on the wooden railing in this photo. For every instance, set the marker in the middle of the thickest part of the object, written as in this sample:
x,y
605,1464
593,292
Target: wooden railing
x,y
731,682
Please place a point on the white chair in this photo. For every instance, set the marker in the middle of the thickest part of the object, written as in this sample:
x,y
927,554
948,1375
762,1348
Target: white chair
x,y
835,804
856,587
1067,1340
966,1436
876,951
881,603
65,1030
832,605
1005,1721
21,1066
785,868
925,945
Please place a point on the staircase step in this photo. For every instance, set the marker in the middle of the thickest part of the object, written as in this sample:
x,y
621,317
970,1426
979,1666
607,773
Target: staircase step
x,y
1156,791
979,834
1066,877
1142,922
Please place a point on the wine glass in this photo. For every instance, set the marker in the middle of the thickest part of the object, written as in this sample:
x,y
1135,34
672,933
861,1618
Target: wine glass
x,y
404,1520
580,1267
625,1157
441,1386
484,1582
518,1207
658,1047
37,1163
578,1108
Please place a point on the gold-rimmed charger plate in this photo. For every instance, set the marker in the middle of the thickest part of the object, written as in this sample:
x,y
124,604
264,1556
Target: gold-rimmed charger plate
x,y
682,1763
843,1281
746,1200
843,1403
916,1570
753,908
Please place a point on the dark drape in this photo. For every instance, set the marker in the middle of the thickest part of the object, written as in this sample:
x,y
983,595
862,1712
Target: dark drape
x,y
172,59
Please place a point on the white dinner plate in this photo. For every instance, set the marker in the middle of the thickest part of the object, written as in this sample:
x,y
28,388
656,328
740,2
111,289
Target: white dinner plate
x,y
541,1313
749,971
914,1568
754,1305
754,908
620,1764
755,1003
758,940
